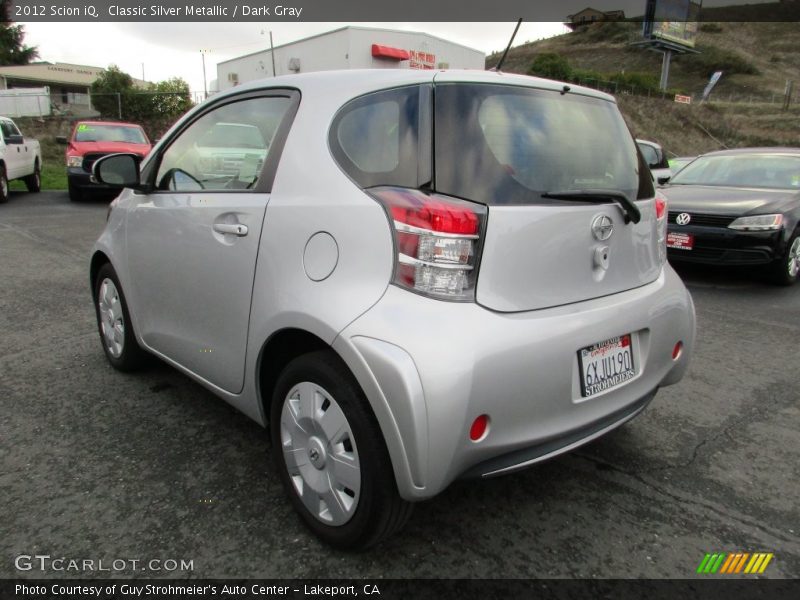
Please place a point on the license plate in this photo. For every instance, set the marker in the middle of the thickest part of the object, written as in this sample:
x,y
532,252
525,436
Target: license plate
x,y
680,241
606,365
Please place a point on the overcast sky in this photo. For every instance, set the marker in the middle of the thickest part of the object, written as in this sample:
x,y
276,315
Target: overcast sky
x,y
173,49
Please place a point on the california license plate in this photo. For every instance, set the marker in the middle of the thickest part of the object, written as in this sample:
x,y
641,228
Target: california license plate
x,y
606,365
680,241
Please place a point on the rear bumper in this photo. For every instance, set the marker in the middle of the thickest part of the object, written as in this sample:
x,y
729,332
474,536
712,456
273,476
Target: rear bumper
x,y
723,246
429,368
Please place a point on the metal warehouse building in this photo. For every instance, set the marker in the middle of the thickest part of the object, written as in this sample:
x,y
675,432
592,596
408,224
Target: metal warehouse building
x,y
351,48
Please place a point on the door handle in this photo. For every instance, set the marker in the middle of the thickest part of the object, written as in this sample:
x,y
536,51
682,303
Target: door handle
x,y
234,228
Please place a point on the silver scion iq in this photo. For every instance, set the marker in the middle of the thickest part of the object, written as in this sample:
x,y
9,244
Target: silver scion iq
x,y
408,277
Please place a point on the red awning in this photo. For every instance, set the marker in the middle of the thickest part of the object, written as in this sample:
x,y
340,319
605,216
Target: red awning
x,y
389,52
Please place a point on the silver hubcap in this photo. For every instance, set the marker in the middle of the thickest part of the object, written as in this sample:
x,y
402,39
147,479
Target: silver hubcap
x,y
112,323
794,258
320,453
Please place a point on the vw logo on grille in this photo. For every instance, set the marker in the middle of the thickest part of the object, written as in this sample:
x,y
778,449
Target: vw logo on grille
x,y
683,219
602,227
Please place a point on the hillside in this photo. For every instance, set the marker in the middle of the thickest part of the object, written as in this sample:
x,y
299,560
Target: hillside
x,y
757,58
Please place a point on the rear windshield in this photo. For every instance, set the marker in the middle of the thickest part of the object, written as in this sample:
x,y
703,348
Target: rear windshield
x,y
508,145
92,132
742,170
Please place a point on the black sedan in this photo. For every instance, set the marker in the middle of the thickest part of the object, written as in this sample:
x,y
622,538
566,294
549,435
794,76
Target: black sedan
x,y
738,207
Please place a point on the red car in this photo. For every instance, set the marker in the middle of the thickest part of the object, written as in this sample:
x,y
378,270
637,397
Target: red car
x,y
92,139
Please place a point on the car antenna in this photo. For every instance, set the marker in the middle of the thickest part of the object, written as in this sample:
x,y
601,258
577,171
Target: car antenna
x,y
511,41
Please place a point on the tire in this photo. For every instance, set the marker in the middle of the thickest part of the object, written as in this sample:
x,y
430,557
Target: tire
x,y
34,181
114,323
75,194
785,270
3,185
351,468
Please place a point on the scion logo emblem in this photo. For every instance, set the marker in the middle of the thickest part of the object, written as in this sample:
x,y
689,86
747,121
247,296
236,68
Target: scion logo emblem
x,y
313,455
683,219
602,227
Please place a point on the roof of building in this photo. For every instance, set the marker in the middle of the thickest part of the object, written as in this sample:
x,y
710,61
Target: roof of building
x,y
353,27
47,72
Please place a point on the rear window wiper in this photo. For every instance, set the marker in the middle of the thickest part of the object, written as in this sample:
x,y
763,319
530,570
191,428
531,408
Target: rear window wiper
x,y
629,209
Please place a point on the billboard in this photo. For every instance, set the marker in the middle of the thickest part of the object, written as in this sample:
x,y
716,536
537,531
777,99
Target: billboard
x,y
672,21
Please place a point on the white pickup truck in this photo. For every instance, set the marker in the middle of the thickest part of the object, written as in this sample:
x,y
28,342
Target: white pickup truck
x,y
20,158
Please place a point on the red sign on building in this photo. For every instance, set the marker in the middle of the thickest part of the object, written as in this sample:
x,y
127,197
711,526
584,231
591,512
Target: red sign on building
x,y
421,60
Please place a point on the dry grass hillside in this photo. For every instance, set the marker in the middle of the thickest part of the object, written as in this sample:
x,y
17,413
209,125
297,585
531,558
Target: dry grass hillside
x,y
745,108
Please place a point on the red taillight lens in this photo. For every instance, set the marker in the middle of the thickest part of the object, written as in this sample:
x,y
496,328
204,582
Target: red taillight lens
x,y
677,351
661,225
437,239
479,428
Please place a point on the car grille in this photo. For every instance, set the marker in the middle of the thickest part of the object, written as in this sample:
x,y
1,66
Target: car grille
x,y
704,220
90,159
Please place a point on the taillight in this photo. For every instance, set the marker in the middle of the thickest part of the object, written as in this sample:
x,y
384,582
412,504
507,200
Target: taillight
x,y
661,225
437,240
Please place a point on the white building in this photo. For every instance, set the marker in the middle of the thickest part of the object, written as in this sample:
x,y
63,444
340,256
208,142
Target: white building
x,y
351,48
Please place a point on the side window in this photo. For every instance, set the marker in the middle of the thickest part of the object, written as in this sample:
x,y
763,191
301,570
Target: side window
x,y
5,126
224,149
384,138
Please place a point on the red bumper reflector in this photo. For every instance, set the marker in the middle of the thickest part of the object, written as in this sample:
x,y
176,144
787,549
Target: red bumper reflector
x,y
479,427
677,350
379,51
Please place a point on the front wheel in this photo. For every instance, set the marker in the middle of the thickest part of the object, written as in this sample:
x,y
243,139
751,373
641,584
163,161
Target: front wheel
x,y
786,270
34,181
3,185
331,456
114,322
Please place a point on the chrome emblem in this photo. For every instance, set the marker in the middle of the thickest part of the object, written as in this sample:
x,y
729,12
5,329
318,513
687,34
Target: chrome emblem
x,y
683,219
602,227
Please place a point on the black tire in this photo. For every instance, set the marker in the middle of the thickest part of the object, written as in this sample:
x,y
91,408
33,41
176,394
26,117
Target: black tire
x,y
380,511
34,181
131,357
782,273
3,185
75,194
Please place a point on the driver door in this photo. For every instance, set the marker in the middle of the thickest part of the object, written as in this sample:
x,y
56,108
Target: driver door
x,y
193,242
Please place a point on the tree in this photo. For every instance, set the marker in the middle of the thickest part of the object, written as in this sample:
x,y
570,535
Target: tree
x,y
12,49
172,97
552,66
105,90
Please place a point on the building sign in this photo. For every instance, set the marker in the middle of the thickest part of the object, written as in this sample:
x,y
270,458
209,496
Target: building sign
x,y
421,60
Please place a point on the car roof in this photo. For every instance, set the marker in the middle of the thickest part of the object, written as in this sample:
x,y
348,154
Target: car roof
x,y
361,81
765,150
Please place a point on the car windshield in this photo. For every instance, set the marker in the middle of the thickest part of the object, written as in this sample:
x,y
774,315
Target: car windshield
x,y
232,135
509,145
92,132
778,171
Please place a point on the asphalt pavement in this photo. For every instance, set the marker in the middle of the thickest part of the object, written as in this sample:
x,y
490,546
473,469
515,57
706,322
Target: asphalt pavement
x,y
99,465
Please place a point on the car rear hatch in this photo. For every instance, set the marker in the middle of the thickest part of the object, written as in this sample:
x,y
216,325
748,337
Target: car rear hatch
x,y
571,208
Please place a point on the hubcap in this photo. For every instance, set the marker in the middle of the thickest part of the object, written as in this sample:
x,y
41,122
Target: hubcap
x,y
794,258
320,453
112,322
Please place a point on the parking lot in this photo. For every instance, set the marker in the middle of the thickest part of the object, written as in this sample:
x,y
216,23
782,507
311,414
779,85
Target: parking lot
x,y
103,465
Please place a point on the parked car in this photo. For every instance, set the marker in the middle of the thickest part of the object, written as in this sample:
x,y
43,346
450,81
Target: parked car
x,y
738,207
91,140
656,159
411,289
20,158
677,163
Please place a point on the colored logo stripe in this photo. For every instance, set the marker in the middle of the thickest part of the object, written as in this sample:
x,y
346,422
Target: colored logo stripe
x,y
731,563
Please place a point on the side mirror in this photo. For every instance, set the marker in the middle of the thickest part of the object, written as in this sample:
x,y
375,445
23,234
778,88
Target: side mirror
x,y
14,139
663,180
61,139
117,170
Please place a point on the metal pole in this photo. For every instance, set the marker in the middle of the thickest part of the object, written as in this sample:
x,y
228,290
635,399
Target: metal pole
x,y
143,79
205,86
272,53
119,105
665,70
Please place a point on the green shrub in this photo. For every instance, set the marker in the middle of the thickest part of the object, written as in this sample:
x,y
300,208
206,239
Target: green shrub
x,y
712,58
551,66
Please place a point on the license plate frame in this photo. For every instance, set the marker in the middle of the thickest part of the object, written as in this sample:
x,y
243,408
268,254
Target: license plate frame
x,y
606,365
680,241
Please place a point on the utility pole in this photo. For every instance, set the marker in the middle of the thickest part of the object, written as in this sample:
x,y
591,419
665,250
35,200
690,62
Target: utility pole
x,y
272,53
205,85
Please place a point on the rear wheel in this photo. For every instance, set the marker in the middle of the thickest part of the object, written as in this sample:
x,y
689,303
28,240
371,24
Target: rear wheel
x,y
786,270
3,185
114,322
34,181
331,456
